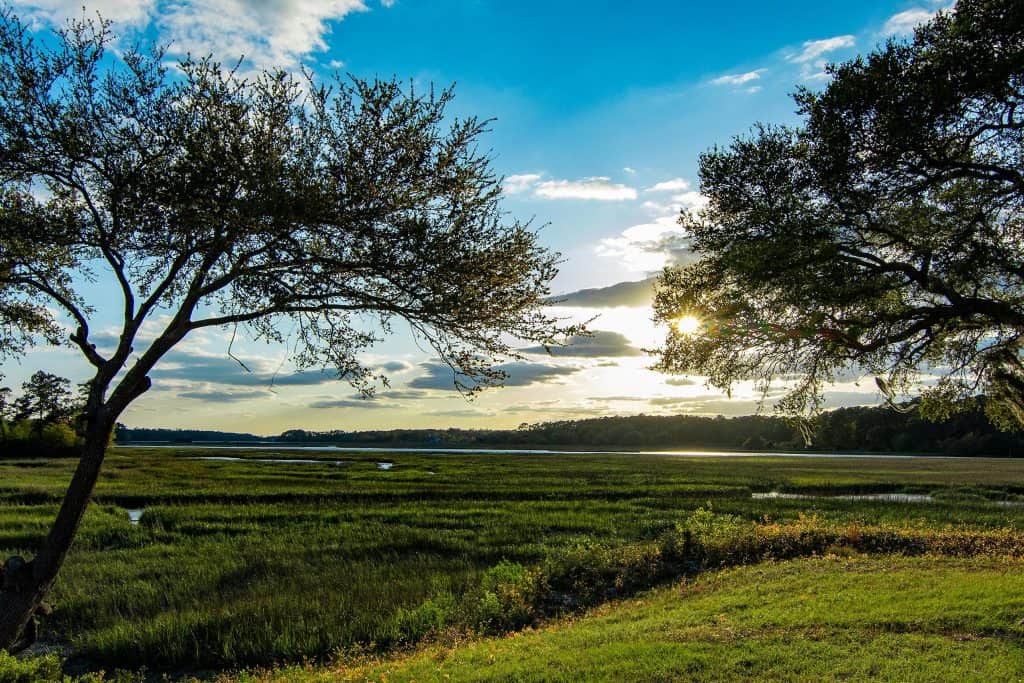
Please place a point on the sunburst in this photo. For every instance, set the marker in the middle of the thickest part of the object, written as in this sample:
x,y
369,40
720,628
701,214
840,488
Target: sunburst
x,y
686,324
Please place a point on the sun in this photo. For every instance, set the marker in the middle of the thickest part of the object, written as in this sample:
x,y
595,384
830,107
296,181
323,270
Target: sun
x,y
686,324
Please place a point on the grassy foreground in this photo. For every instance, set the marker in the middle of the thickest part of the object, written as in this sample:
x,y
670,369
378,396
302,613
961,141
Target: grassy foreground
x,y
833,618
239,564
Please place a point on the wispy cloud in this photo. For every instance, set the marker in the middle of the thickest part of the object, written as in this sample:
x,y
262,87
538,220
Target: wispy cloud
x,y
739,79
905,22
599,188
649,246
351,403
515,184
600,344
691,201
674,185
395,366
440,376
460,412
218,396
189,366
631,294
814,49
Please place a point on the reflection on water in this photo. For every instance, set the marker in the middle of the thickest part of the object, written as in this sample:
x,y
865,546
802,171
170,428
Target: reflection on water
x,y
385,465
541,451
885,497
280,461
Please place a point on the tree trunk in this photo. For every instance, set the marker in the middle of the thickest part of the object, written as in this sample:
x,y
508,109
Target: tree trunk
x,y
25,584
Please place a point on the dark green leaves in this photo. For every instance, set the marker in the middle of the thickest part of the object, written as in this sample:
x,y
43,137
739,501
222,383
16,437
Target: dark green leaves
x,y
883,236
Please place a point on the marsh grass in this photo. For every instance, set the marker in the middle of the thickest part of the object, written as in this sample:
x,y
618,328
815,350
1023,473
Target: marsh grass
x,y
247,563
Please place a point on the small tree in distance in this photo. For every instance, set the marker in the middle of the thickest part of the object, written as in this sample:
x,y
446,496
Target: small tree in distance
x,y
45,399
212,201
885,235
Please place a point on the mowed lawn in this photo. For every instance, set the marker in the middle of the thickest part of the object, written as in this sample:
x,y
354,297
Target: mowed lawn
x,y
833,618
238,564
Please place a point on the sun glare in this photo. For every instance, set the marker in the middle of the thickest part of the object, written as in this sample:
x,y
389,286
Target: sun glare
x,y
686,324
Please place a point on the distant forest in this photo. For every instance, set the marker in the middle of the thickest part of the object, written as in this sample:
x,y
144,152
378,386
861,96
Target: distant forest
x,y
870,429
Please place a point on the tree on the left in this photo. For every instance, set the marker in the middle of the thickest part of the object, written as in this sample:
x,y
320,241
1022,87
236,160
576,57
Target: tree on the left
x,y
212,199
45,399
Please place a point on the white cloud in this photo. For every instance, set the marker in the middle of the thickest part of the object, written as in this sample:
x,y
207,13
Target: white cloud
x,y
739,79
674,185
647,247
268,34
684,201
629,170
598,187
57,12
656,208
514,184
277,33
813,49
815,72
906,21
691,201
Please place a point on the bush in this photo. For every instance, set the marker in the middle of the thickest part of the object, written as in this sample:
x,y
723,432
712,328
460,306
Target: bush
x,y
509,597
590,574
433,616
29,670
22,439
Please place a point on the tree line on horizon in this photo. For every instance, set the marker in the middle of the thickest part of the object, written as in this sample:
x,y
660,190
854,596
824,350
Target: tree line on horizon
x,y
858,429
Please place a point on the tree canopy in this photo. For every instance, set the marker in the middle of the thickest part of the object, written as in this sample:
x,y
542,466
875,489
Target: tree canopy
x,y
45,398
883,235
313,213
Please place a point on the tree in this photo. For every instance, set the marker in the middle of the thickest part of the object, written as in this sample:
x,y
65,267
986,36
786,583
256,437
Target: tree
x,y
45,398
5,409
883,235
212,200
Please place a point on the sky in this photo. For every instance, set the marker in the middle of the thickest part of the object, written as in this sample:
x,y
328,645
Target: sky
x,y
600,111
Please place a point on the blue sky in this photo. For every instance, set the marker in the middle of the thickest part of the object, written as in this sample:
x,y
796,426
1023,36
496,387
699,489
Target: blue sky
x,y
601,110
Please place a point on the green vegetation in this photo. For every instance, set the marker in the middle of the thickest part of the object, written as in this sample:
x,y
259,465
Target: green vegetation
x,y
208,198
255,563
846,429
43,419
826,619
881,235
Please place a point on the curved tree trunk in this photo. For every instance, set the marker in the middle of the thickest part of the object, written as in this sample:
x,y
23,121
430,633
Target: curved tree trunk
x,y
25,584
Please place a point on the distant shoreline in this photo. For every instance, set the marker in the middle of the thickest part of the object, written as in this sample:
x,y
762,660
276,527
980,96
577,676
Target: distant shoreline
x,y
666,452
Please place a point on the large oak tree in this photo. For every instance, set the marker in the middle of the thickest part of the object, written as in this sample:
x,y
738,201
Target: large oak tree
x,y
211,200
883,235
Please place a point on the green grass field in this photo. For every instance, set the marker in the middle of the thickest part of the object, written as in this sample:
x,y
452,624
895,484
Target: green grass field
x,y
836,618
240,564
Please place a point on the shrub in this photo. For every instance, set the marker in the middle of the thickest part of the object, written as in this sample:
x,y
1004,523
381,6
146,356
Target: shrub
x,y
509,597
29,670
433,616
